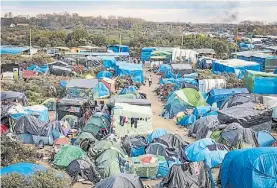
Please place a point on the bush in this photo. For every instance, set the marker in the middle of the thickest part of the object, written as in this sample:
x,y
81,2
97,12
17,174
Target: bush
x,y
13,151
48,179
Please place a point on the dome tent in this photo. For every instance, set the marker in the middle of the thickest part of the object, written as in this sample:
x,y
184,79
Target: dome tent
x,y
120,181
180,100
249,168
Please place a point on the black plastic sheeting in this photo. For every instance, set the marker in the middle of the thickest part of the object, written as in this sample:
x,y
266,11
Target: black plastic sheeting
x,y
188,175
239,99
82,169
171,140
246,116
31,125
121,181
134,142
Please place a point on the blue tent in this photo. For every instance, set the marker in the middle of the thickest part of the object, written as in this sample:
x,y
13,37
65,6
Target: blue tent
x,y
275,71
218,96
206,150
130,69
250,168
12,50
203,111
104,74
25,169
108,61
118,48
157,133
178,81
39,69
145,53
100,91
127,90
187,120
265,139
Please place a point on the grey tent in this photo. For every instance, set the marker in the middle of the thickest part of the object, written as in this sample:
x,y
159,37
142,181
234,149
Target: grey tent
x,y
83,169
234,136
171,140
247,116
172,154
82,83
121,181
31,125
181,68
189,175
12,96
203,125
134,145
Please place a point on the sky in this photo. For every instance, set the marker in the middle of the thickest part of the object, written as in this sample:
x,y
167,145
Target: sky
x,y
161,11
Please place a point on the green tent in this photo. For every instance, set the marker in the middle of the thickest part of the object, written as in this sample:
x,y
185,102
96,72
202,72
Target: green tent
x,y
84,135
97,123
71,119
67,154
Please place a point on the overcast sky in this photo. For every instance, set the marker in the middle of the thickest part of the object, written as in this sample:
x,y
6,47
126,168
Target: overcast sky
x,y
161,11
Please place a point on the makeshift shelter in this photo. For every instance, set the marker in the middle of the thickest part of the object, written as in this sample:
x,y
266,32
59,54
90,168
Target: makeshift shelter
x,y
62,141
235,66
98,125
100,91
39,69
218,96
135,145
205,63
265,139
50,104
130,69
247,115
109,83
181,69
239,99
84,135
72,120
108,62
118,48
181,55
203,127
139,102
249,168
67,154
180,100
11,96
260,82
120,181
157,133
160,149
190,175
127,90
104,74
24,169
206,85
206,150
171,140
145,53
234,136
82,169
132,119
81,88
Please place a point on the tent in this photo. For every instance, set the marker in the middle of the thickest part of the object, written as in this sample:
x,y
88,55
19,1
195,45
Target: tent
x,y
83,169
24,169
109,83
145,53
108,62
72,120
206,150
132,119
218,96
127,90
98,125
39,69
120,181
157,133
84,135
203,127
130,69
247,115
238,99
104,74
234,136
160,149
182,99
100,91
134,145
139,102
11,96
171,140
260,82
265,139
67,154
249,168
189,175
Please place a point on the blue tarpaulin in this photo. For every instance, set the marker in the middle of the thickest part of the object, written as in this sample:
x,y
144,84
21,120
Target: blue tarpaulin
x,y
200,151
108,61
235,66
275,71
25,169
265,139
63,83
12,50
127,90
157,133
104,74
39,69
118,48
218,96
145,53
250,168
130,69
178,81
100,91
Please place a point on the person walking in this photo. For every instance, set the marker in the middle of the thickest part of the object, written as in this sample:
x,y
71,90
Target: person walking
x,y
150,80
